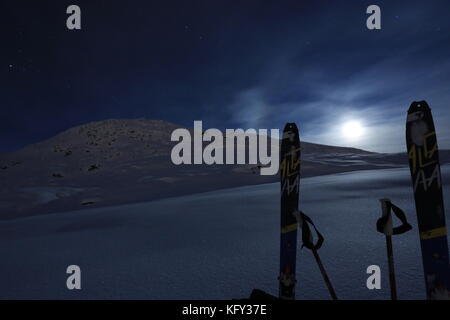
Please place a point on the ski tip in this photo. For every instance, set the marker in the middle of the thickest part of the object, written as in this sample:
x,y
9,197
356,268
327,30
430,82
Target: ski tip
x,y
291,126
418,106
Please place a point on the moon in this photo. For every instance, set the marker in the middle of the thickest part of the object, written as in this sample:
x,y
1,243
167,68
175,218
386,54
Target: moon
x,y
352,130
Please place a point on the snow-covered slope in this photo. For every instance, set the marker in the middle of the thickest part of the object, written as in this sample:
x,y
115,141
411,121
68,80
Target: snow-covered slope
x,y
128,160
216,245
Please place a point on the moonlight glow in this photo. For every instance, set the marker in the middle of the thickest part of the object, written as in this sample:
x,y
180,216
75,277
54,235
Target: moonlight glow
x,y
352,130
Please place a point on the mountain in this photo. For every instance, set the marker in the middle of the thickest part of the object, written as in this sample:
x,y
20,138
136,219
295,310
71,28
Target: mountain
x,y
122,161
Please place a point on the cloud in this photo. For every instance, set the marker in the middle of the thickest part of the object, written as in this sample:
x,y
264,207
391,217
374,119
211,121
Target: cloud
x,y
249,109
326,83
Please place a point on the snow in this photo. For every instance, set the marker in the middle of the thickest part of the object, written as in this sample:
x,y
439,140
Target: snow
x,y
215,245
48,194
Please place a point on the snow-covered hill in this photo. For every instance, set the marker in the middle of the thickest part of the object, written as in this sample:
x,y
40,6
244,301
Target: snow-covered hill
x,y
122,161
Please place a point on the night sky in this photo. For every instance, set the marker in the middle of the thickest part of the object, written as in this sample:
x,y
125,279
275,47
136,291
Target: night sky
x,y
232,64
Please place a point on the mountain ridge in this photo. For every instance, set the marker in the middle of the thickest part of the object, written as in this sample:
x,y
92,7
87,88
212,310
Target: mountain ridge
x,y
120,126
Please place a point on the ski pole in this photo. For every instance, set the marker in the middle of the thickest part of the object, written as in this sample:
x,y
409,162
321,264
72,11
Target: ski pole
x,y
307,239
324,275
386,210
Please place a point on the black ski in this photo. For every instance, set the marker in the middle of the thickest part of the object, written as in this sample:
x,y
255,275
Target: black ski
x,y
426,179
290,180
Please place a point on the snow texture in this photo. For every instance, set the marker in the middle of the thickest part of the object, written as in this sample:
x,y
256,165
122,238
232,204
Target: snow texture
x,y
215,245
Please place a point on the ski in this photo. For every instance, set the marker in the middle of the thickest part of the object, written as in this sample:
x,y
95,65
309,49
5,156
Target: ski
x,y
426,180
289,180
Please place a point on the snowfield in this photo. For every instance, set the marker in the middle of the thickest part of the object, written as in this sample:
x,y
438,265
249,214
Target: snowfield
x,y
216,245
